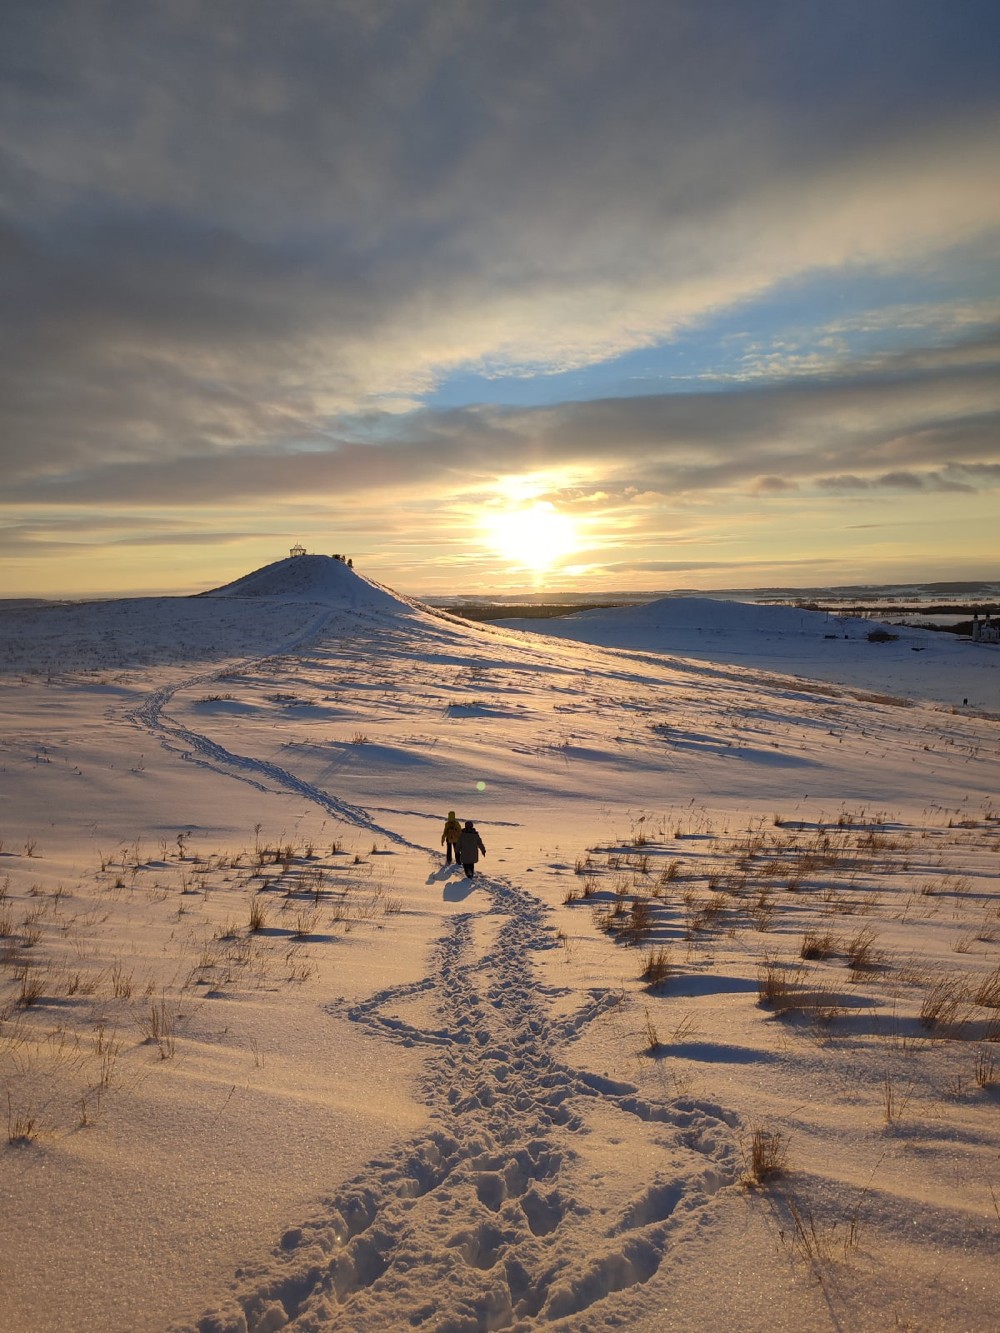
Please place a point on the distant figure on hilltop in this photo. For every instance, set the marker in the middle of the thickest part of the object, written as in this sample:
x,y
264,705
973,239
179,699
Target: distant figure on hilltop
x,y
470,844
450,836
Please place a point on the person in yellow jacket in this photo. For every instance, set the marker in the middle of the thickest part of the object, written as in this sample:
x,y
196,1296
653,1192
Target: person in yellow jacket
x,y
450,836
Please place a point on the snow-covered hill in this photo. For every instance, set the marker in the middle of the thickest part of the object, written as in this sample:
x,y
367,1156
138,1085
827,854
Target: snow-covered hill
x,y
284,602
315,578
914,663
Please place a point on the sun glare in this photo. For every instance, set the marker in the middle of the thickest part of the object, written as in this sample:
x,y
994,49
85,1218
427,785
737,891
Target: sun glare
x,y
534,535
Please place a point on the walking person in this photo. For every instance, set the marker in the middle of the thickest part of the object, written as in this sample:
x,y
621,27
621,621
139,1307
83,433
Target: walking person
x,y
469,845
450,837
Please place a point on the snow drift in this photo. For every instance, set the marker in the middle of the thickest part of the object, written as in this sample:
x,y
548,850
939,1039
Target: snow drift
x,y
655,624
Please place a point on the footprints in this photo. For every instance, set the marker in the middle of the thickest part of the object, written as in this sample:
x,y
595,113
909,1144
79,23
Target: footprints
x,y
517,1180
427,1168
481,1247
543,1213
491,1191
498,1215
656,1205
636,1263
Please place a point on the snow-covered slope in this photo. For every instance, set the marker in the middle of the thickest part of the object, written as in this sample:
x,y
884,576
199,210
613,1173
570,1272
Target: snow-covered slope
x,y
283,603
914,663
262,1054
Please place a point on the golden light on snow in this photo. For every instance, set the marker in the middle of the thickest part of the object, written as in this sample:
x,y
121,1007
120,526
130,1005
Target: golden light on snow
x,y
533,535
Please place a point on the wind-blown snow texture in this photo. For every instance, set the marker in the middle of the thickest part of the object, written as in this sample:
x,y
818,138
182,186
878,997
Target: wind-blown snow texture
x,y
269,1064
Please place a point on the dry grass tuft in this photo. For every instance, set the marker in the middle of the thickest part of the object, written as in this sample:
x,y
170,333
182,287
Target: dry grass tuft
x,y
894,1099
22,1125
776,984
943,1002
818,944
765,1155
653,1043
657,967
31,982
632,926
861,952
987,993
157,1028
985,1067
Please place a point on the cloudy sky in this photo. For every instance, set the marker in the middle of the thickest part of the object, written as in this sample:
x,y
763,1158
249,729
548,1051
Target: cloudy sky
x,y
499,294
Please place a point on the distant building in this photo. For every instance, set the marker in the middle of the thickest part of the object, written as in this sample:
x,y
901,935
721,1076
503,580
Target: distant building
x,y
297,550
985,630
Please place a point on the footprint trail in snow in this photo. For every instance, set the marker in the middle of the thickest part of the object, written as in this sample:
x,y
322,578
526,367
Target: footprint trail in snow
x,y
515,1210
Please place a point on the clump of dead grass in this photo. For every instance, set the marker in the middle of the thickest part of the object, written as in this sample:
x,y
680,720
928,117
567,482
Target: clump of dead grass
x,y
765,1154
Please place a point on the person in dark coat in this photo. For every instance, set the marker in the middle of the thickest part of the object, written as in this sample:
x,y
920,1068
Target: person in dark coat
x,y
470,844
450,836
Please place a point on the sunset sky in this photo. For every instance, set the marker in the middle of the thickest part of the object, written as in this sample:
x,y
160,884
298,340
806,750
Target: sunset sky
x,y
499,295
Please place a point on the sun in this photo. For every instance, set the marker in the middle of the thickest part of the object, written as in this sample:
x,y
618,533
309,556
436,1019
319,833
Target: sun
x,y
534,535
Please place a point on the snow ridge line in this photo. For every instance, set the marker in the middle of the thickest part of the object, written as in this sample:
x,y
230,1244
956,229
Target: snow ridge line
x,y
492,1219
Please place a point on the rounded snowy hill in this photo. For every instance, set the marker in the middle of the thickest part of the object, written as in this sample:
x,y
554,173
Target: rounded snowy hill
x,y
913,663
315,578
672,623
271,610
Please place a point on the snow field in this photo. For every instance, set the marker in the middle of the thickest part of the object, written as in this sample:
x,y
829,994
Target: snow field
x,y
725,912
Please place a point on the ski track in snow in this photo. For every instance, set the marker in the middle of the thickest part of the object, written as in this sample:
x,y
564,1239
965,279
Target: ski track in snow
x,y
194,747
492,1220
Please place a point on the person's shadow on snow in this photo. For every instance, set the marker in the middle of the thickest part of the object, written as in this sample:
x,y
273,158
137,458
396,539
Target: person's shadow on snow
x,y
458,890
443,873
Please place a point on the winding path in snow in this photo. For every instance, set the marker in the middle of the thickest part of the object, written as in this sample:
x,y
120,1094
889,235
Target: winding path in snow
x,y
194,747
504,1214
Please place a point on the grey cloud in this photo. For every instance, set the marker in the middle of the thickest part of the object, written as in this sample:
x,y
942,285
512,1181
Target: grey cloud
x,y
188,538
332,111
844,484
233,224
692,566
876,432
899,481
774,486
986,475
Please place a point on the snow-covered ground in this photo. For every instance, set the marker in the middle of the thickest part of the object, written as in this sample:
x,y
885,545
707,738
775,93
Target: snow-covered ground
x,y
710,1040
918,663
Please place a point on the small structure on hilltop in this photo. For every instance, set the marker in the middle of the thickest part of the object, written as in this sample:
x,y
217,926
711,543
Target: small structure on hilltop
x,y
297,550
985,630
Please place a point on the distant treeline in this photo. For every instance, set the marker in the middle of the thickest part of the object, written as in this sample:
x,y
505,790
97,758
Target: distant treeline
x,y
887,609
550,610
919,616
960,627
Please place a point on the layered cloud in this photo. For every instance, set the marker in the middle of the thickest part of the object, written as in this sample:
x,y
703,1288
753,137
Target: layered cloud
x,y
242,244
